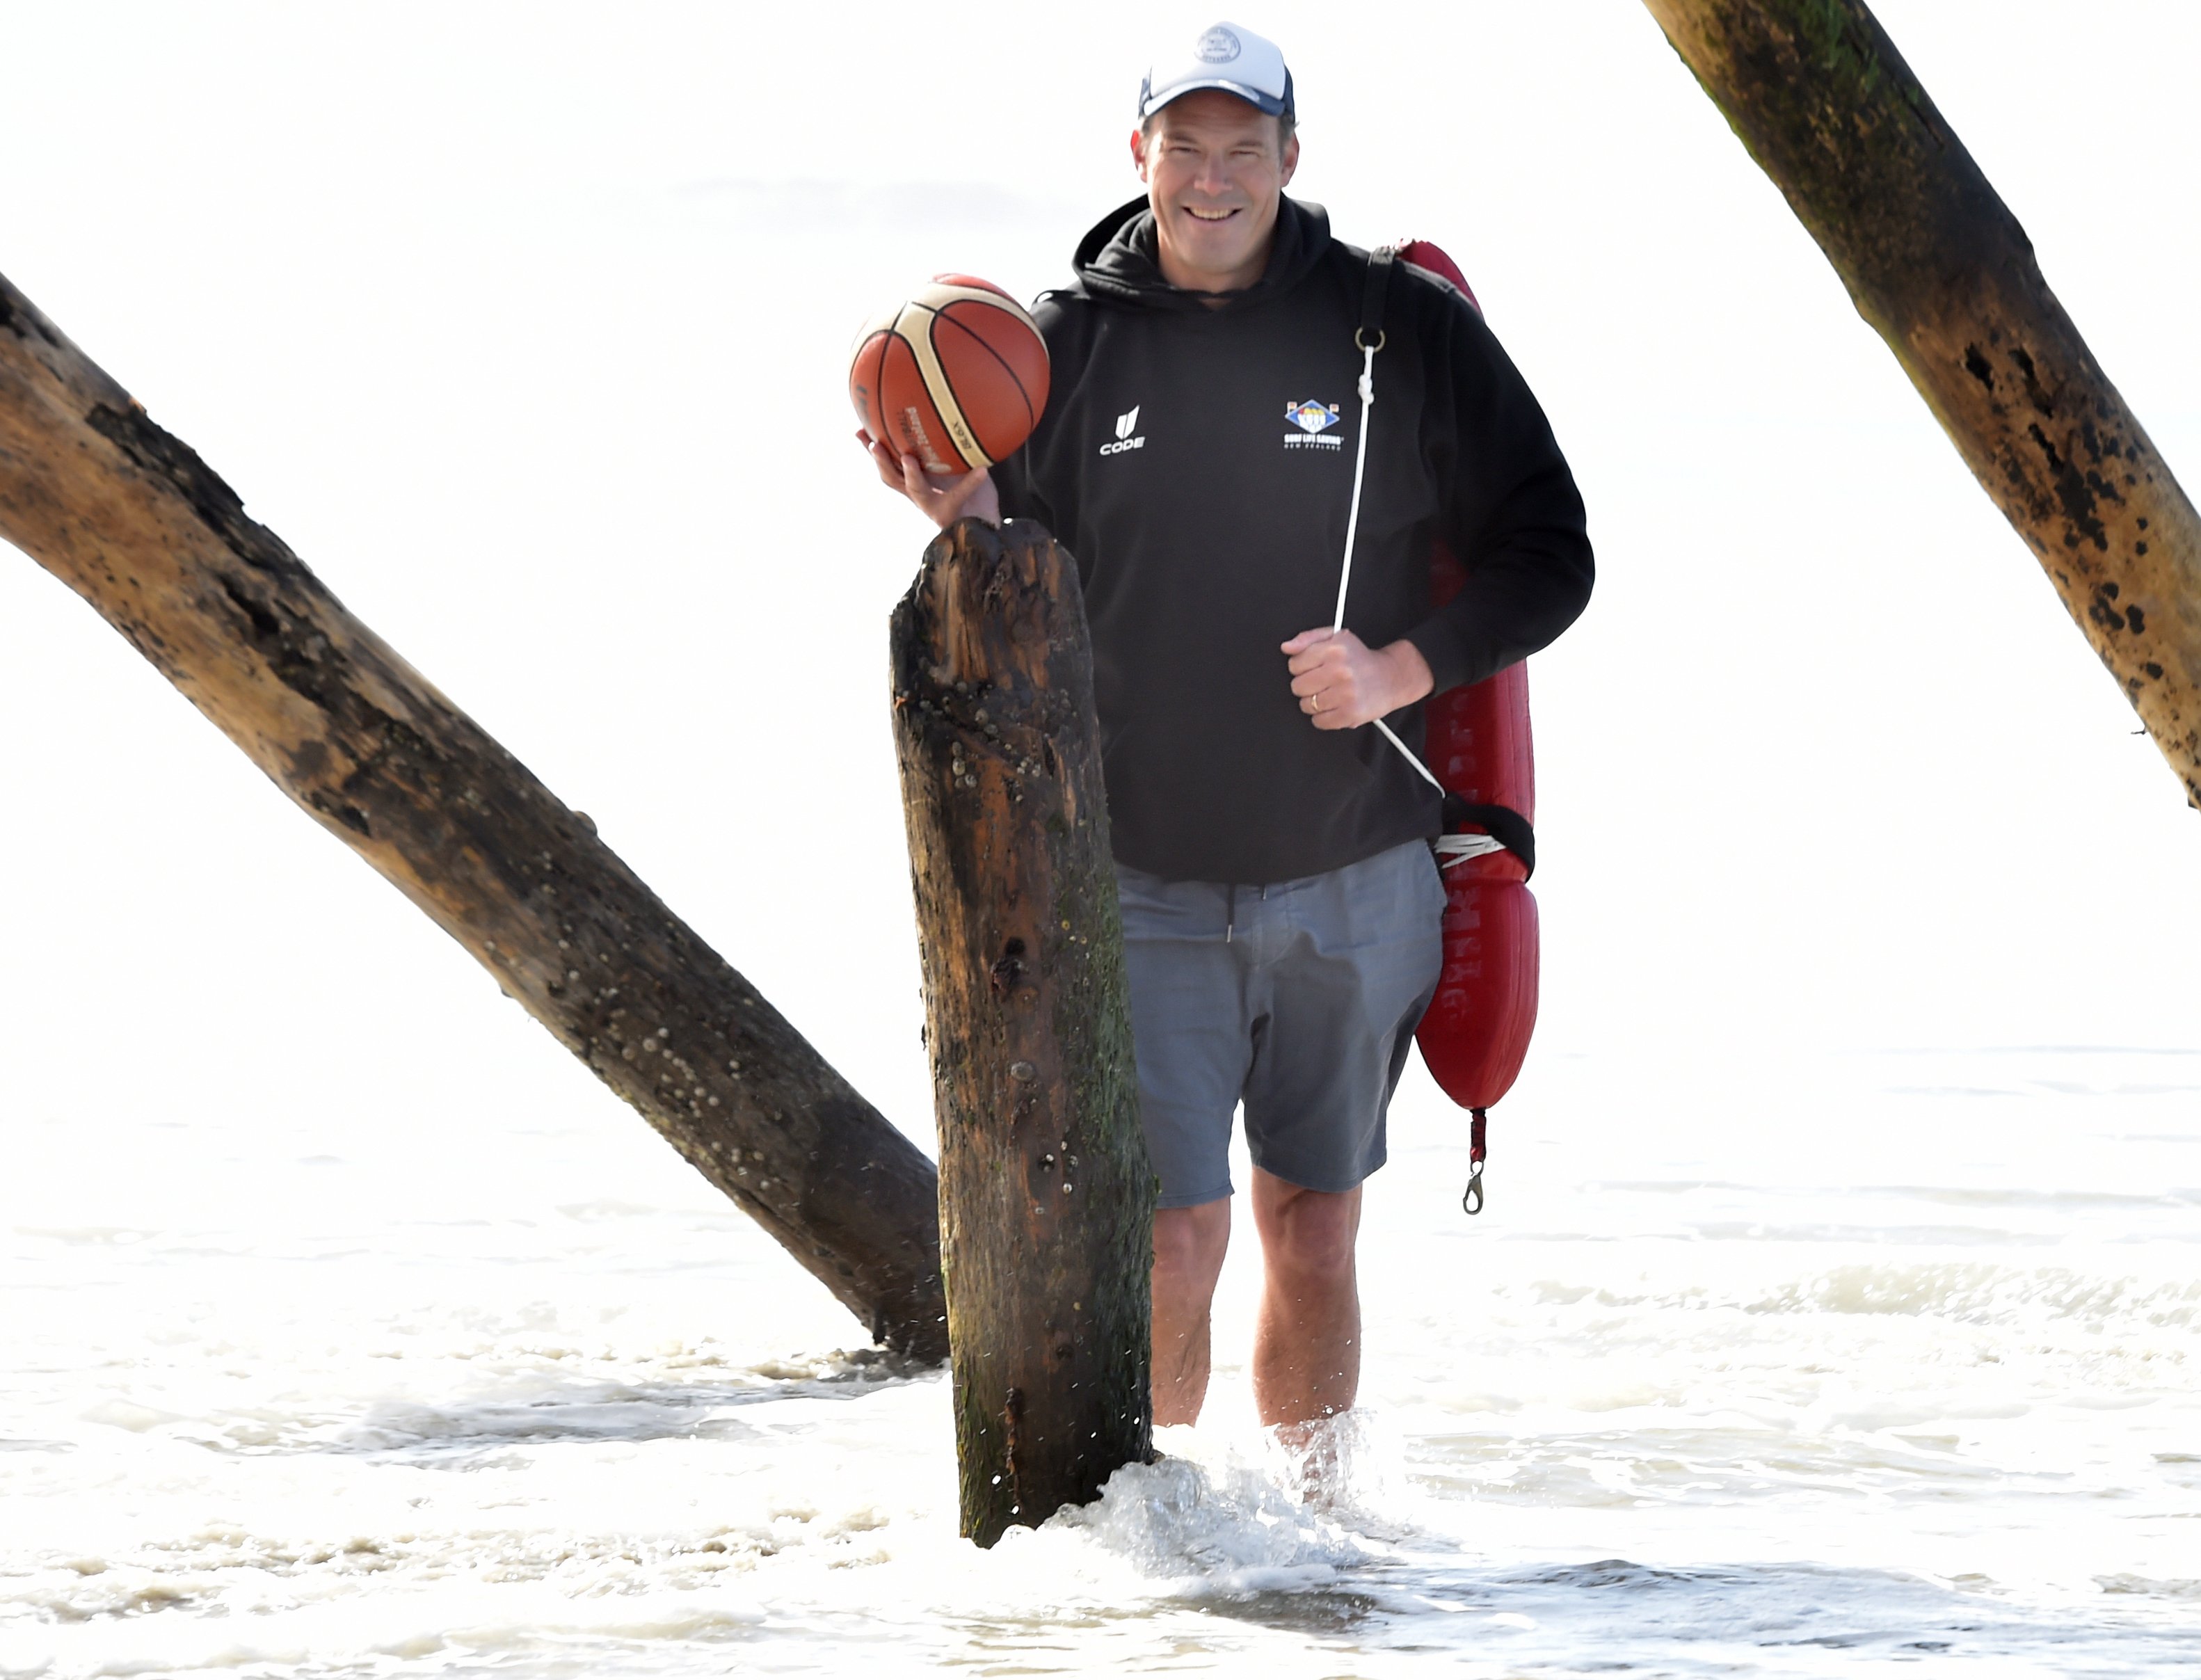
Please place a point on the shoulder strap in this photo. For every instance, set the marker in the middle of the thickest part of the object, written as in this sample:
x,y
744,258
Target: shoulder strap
x,y
1379,263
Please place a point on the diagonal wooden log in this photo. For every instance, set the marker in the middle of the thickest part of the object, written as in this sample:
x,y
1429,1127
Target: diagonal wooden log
x,y
1046,1197
134,522
1939,266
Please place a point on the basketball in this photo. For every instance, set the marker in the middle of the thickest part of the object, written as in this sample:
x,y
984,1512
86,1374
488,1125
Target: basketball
x,y
956,377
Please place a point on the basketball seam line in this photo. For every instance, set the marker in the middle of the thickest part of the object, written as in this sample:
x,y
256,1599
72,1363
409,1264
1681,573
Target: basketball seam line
x,y
938,387
962,294
1031,420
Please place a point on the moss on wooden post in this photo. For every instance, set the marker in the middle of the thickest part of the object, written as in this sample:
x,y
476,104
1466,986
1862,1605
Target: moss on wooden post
x,y
1046,1197
1940,267
136,523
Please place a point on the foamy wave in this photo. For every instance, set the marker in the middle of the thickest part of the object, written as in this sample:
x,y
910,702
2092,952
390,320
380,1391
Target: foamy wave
x,y
1225,1516
1983,1293
526,1408
1968,1292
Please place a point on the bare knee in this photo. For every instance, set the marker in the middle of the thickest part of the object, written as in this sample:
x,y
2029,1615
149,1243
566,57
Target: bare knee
x,y
1189,1243
1308,1234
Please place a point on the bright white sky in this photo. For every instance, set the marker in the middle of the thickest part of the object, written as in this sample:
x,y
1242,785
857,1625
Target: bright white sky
x,y
526,328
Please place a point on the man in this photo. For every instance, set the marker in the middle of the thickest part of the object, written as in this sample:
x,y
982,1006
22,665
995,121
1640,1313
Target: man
x,y
1281,903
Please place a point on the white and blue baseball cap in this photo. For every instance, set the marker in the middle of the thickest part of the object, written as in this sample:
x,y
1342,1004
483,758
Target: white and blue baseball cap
x,y
1223,55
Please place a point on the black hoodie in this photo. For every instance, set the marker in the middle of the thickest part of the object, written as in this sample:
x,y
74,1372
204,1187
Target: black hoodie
x,y
1206,505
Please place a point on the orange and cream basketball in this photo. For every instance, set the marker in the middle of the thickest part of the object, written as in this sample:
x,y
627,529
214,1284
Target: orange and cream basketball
x,y
956,377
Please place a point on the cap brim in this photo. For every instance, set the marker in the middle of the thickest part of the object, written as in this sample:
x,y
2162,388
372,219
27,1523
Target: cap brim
x,y
1267,104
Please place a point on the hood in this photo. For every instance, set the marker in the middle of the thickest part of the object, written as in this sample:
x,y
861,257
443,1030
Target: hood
x,y
1117,259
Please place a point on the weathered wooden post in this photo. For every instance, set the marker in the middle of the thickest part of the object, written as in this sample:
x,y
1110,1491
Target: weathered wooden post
x,y
1939,266
1046,1197
134,522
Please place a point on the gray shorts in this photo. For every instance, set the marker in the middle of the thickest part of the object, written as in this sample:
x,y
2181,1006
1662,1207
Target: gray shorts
x,y
1299,998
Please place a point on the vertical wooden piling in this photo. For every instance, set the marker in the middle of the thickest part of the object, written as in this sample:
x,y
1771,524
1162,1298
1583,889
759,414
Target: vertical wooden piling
x,y
1046,1197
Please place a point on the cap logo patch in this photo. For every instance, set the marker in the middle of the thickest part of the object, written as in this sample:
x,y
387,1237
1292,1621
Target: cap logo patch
x,y
1217,46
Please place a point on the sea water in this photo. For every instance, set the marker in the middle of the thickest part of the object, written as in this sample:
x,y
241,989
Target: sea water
x,y
1815,1367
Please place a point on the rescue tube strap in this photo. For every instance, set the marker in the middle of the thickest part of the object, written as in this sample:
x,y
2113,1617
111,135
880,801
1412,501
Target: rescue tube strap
x,y
1507,827
1371,299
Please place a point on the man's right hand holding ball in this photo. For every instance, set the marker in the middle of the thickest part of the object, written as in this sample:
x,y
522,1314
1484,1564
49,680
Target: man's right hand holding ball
x,y
943,499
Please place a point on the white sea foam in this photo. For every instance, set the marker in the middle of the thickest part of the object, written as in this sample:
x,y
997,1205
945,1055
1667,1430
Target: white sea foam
x,y
1737,1420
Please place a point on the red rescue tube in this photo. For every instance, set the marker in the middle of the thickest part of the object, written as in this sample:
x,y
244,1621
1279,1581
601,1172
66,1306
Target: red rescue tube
x,y
1475,1034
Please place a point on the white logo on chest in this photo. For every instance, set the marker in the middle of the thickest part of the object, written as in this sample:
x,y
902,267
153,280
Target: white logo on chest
x,y
1313,420
1125,425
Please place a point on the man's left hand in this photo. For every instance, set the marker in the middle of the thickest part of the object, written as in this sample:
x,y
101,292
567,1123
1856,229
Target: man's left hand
x,y
1342,683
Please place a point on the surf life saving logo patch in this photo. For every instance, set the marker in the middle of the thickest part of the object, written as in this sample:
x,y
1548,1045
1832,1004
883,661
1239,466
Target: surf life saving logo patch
x,y
1313,420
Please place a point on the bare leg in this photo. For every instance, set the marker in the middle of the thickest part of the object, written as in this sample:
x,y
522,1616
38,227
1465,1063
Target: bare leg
x,y
1189,1248
1306,1342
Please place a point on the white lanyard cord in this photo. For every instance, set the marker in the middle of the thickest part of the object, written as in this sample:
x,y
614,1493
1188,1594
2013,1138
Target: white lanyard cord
x,y
1451,848
1359,470
1353,527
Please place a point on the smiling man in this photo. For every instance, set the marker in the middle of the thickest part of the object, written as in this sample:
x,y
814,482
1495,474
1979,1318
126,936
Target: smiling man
x,y
1281,903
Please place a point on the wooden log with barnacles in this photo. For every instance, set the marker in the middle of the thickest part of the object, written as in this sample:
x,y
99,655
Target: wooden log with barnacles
x,y
1940,267
1046,1197
135,523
